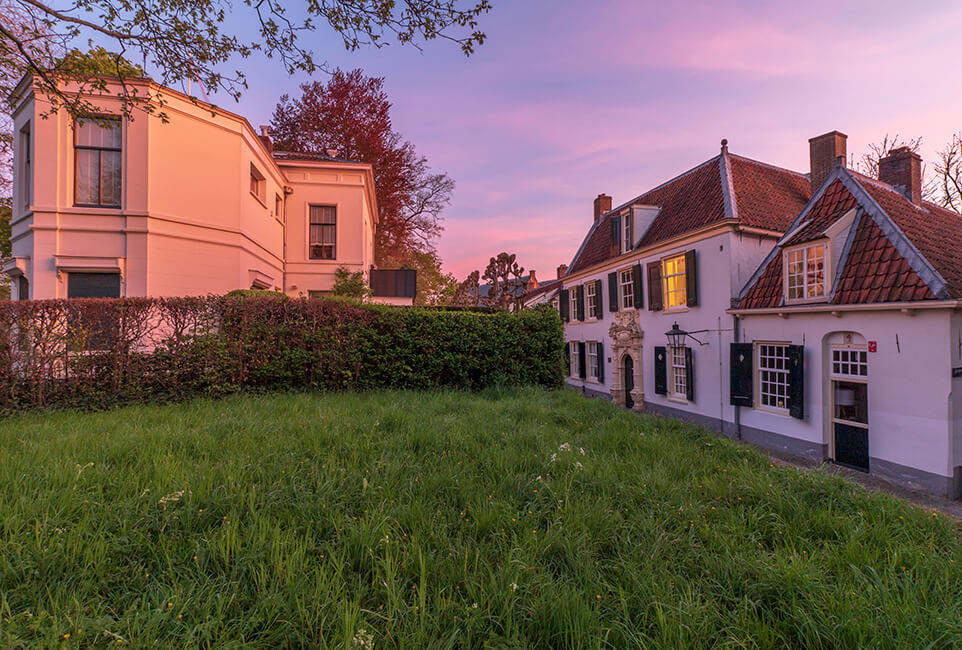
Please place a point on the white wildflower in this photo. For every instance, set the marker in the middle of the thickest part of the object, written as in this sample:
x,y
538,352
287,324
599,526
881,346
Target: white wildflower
x,y
173,497
578,465
474,606
564,447
539,478
554,457
582,450
363,639
514,586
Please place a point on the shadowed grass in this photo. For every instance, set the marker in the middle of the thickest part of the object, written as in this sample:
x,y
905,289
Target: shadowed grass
x,y
447,520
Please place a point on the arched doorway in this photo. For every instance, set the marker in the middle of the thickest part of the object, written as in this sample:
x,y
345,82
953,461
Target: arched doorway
x,y
629,377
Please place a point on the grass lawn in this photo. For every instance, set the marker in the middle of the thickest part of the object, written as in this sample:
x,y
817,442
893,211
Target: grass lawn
x,y
447,520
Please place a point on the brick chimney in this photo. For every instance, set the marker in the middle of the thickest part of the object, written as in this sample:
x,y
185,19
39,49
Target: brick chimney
x,y
824,151
562,270
602,205
532,281
902,169
265,137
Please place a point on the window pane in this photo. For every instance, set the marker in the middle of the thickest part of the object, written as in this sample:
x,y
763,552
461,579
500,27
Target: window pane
x,y
91,134
88,175
323,214
110,177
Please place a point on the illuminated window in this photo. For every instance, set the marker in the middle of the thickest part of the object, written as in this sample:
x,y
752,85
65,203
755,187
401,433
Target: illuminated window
x,y
592,299
627,283
678,375
805,273
98,157
676,292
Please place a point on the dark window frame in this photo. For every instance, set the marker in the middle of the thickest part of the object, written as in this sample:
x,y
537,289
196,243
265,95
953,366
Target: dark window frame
x,y
100,168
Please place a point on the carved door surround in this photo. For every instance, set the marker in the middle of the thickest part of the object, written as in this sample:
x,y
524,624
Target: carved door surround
x,y
626,339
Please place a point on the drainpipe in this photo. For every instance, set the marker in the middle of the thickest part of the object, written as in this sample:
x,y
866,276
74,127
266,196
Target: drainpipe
x,y
736,337
288,190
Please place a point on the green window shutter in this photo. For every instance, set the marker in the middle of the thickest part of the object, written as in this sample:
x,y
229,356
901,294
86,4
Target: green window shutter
x,y
564,306
581,302
636,283
598,299
601,363
661,370
741,380
796,381
654,287
691,278
568,358
613,292
615,235
689,374
581,360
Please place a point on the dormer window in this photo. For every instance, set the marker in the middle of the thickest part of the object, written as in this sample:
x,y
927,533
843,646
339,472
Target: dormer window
x,y
627,232
805,271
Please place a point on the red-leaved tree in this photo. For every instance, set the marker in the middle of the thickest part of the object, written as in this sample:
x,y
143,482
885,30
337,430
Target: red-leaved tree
x,y
351,113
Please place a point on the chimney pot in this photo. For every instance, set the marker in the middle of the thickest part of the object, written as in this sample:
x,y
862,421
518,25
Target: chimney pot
x,y
265,131
562,270
825,151
602,205
902,169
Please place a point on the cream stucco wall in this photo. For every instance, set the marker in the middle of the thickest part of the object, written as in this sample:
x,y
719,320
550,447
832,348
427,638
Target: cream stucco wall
x,y
188,223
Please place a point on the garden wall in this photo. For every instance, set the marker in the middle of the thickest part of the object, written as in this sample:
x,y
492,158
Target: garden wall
x,y
96,353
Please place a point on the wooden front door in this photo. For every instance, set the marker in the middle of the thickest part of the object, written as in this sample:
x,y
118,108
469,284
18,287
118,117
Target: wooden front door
x,y
629,375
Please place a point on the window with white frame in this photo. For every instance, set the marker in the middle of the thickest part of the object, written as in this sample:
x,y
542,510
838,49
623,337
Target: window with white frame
x,y
593,360
575,360
627,232
98,162
673,276
258,183
849,362
626,283
573,299
805,273
323,232
773,381
591,298
677,371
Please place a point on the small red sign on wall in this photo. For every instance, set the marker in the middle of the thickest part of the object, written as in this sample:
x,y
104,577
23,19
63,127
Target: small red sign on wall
x,y
872,346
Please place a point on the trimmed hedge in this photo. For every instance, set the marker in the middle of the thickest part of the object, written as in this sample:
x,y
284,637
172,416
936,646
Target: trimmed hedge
x,y
96,353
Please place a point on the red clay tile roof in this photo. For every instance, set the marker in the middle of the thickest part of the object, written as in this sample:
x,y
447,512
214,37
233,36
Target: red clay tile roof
x,y
876,272
542,288
767,290
765,197
874,269
834,203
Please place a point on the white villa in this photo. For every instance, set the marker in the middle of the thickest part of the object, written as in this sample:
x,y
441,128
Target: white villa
x,y
198,204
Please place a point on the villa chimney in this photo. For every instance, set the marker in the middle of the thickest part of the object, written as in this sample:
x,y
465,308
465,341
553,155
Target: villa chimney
x,y
824,152
902,169
602,205
265,137
562,270
532,281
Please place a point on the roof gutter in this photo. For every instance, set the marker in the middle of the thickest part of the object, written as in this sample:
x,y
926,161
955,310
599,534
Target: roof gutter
x,y
907,307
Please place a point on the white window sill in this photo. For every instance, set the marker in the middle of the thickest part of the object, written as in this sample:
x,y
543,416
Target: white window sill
x,y
676,310
774,410
805,301
677,399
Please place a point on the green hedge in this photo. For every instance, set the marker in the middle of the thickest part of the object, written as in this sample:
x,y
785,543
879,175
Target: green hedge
x,y
97,353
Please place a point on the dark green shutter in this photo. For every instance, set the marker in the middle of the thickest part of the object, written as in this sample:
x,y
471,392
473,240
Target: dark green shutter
x,y
689,375
581,360
613,292
636,282
691,278
654,287
598,300
661,370
615,235
568,357
601,363
580,299
796,381
564,306
742,383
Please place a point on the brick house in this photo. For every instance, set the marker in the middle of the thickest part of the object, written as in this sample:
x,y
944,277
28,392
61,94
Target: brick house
x,y
196,203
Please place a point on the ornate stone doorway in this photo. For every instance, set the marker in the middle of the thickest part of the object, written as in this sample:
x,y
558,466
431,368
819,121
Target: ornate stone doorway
x,y
626,338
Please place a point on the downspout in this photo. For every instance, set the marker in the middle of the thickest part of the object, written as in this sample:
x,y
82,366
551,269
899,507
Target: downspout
x,y
736,337
288,190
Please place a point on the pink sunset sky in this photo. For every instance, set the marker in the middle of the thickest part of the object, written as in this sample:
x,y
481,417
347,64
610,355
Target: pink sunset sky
x,y
568,99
